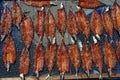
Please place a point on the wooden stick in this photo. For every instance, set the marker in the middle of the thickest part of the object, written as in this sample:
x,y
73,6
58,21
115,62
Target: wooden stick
x,y
67,76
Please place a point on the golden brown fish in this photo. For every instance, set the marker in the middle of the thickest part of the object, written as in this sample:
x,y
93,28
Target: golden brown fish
x,y
38,3
9,52
38,59
5,23
75,56
96,24
24,63
16,13
50,26
26,27
86,59
109,56
116,15
108,23
83,23
39,23
97,57
90,4
62,60
50,57
61,20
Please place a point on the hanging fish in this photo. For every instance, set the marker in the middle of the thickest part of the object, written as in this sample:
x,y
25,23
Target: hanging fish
x,y
72,25
16,13
96,24
97,57
86,59
116,15
24,63
50,26
61,20
50,57
40,23
118,50
109,57
38,59
26,27
62,60
9,52
5,23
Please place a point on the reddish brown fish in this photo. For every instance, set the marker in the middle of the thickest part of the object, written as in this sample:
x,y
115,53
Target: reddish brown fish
x,y
109,56
6,22
86,59
61,20
50,25
16,13
96,23
72,24
38,59
62,59
118,50
108,23
116,15
90,4
27,31
97,57
39,23
9,52
75,56
83,23
38,3
24,62
50,56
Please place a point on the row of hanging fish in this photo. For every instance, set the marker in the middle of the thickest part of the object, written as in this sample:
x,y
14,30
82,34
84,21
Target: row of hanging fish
x,y
62,57
45,22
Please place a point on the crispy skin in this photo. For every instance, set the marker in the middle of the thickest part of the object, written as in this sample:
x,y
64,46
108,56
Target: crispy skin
x,y
9,51
27,31
61,20
116,15
38,58
96,23
109,55
16,13
72,24
39,23
74,56
118,50
86,58
90,4
50,56
6,22
24,62
83,22
97,56
50,25
62,59
37,3
108,23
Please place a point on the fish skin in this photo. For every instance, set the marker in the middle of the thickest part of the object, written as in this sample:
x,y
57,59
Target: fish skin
x,y
118,50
